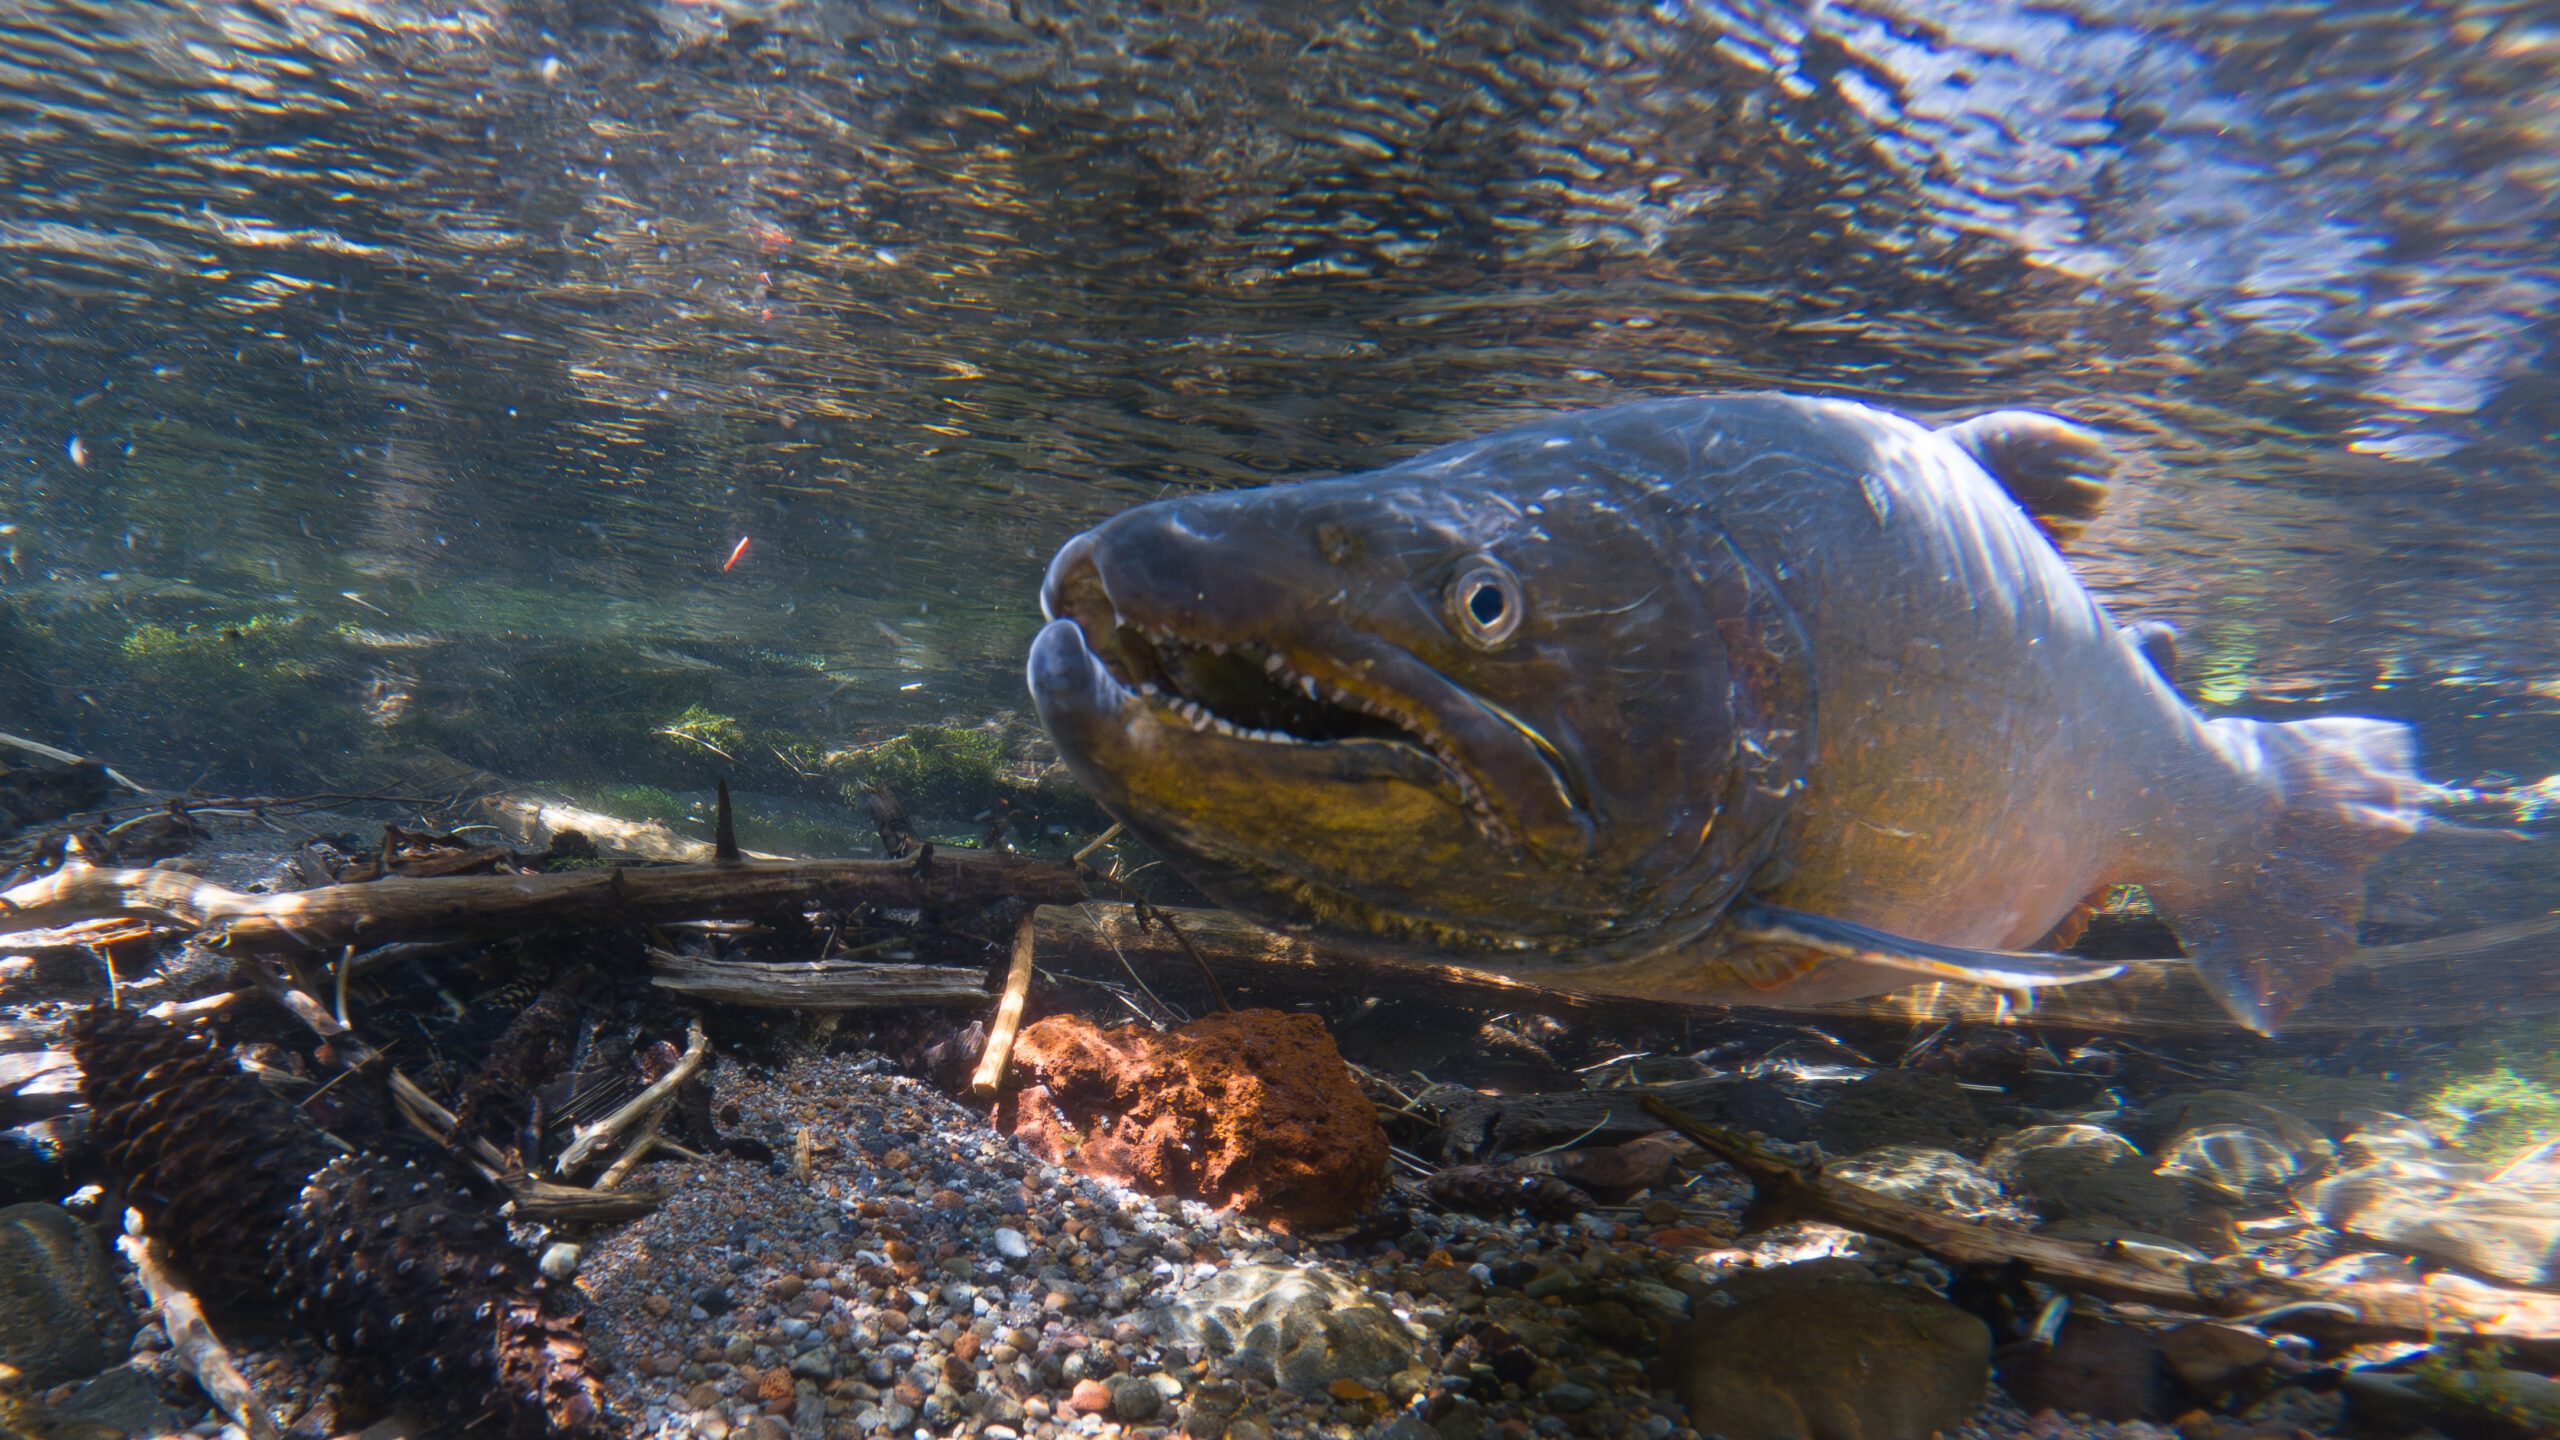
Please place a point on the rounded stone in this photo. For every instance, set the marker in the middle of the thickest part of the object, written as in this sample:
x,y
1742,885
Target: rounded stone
x,y
560,1261
1134,1398
1309,1327
1923,1175
1808,1357
61,1316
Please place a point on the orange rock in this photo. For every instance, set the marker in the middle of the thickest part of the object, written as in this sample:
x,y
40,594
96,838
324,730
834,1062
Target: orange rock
x,y
1252,1109
1090,1396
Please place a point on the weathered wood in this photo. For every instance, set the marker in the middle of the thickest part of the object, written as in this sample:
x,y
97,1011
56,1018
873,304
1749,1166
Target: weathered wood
x,y
489,906
199,1349
533,821
1008,1022
2363,1311
540,1200
2500,970
591,1139
815,984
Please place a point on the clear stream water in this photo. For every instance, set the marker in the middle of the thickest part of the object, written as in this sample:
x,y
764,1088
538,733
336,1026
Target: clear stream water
x,y
435,357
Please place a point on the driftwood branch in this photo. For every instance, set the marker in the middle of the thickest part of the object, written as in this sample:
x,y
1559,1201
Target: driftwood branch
x,y
536,821
197,1347
1008,1021
537,1199
2363,1311
815,984
461,906
633,1153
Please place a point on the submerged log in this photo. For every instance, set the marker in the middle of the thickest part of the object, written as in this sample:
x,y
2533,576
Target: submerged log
x,y
815,984
2358,1311
2500,970
490,906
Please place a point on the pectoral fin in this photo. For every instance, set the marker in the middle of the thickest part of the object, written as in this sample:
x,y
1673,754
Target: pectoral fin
x,y
2006,969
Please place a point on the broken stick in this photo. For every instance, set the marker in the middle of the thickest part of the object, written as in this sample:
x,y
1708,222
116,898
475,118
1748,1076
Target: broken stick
x,y
197,1347
1008,1021
2363,1311
592,1138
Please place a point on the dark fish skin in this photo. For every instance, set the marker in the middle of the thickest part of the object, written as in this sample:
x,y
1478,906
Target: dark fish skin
x,y
1626,698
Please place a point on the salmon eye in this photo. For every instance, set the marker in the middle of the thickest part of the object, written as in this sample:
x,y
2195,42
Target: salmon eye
x,y
1485,603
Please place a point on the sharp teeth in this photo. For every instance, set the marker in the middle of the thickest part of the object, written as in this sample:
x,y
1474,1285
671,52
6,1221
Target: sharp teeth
x,y
1308,684
1271,664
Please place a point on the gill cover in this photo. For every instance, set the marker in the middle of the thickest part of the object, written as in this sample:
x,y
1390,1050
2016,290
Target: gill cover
x,y
1771,743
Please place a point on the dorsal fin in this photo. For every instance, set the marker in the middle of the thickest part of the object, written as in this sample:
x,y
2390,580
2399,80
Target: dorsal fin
x,y
2158,642
2057,471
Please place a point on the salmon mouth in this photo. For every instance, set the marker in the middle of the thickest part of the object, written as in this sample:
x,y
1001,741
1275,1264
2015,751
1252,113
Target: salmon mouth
x,y
1252,694
1347,694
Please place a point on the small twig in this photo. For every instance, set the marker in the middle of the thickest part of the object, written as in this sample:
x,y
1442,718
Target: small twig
x,y
197,1347
1216,991
439,1124
1105,838
629,1160
346,967
1087,912
592,1138
1008,1021
674,734
1150,915
1596,1127
188,1011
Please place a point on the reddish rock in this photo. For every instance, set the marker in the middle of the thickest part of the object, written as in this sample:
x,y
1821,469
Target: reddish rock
x,y
1090,1396
1253,1109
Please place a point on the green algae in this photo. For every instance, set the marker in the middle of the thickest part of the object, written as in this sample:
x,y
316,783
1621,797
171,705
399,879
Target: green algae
x,y
941,769
637,802
2474,1386
701,727
2497,1113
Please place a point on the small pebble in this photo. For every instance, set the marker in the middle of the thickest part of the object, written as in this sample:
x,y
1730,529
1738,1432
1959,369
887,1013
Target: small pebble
x,y
560,1261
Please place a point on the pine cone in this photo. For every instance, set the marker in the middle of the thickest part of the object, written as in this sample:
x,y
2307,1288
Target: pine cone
x,y
390,1262
385,1263
210,1158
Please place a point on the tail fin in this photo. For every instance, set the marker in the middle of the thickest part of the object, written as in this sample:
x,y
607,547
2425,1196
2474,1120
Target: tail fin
x,y
2269,912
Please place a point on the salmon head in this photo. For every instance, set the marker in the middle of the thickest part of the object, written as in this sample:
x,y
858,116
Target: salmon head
x,y
1484,700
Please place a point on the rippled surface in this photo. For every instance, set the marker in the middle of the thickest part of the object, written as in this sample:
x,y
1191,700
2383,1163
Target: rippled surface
x,y
478,327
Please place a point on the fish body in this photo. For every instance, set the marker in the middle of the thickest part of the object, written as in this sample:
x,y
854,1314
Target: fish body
x,y
1700,698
